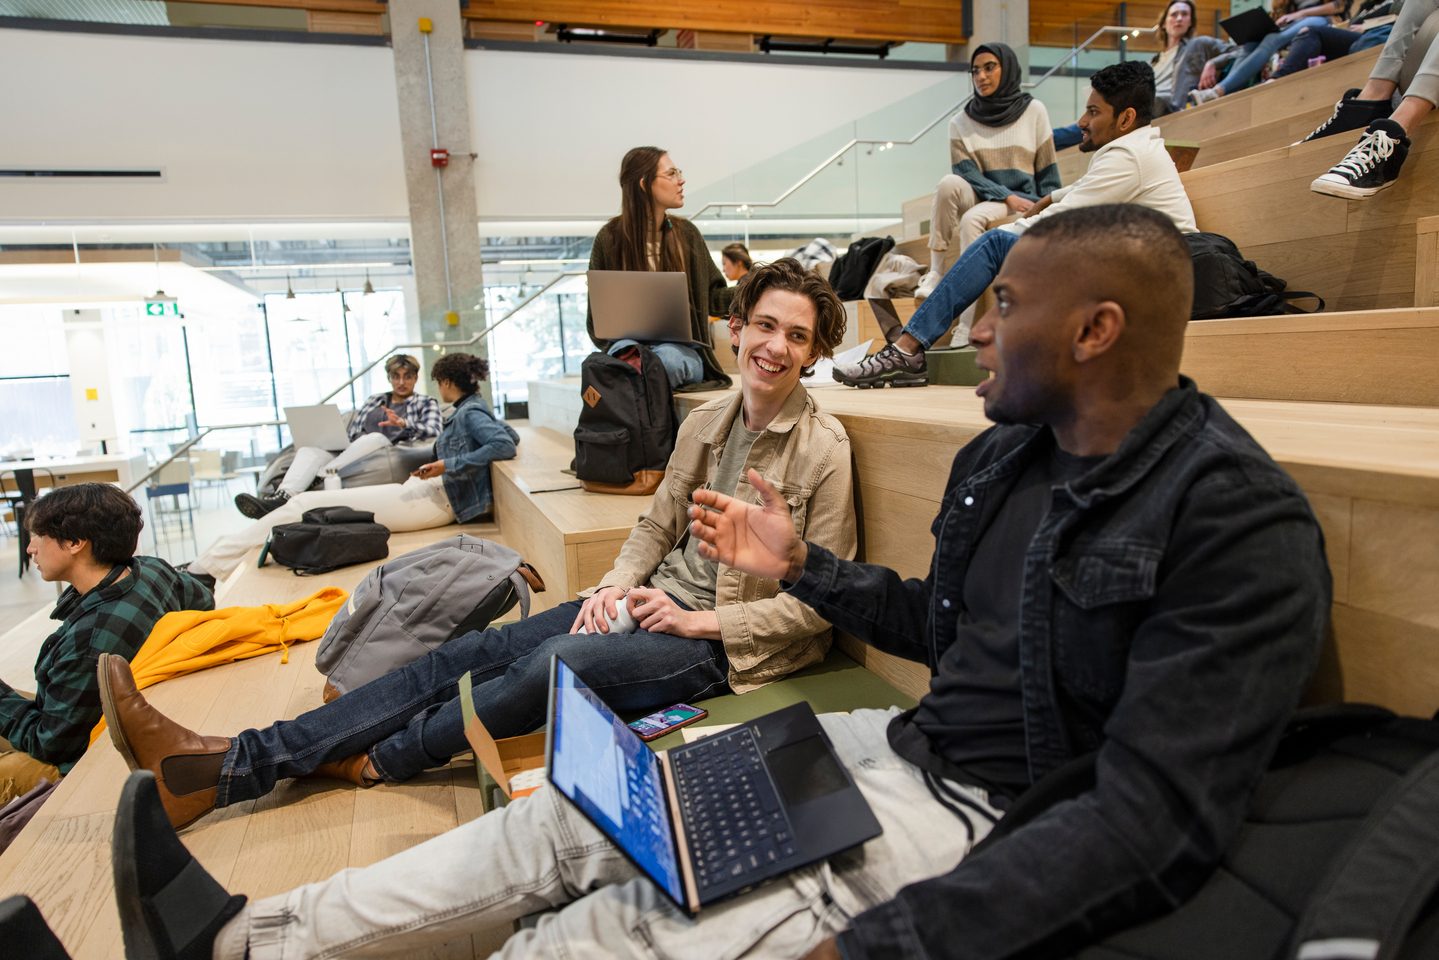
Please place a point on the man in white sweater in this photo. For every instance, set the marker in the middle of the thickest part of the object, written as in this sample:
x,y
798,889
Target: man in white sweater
x,y
1130,165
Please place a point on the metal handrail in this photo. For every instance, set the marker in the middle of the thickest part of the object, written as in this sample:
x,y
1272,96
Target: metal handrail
x,y
185,447
889,142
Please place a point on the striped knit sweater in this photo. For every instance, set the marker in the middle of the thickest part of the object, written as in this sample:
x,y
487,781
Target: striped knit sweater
x,y
998,161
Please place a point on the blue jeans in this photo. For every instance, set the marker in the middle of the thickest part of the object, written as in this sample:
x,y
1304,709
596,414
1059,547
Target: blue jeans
x,y
1258,54
410,721
965,283
1067,136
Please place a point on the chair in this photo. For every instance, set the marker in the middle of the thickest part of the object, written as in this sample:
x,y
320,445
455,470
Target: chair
x,y
172,482
26,494
213,467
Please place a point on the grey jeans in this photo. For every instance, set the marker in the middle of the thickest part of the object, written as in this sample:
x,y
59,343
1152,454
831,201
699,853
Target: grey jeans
x,y
1411,54
540,854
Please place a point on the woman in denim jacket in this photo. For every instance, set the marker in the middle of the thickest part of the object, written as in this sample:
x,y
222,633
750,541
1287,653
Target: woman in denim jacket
x,y
454,487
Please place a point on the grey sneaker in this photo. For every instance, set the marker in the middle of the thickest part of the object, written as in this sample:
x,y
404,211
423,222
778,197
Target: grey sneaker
x,y
889,366
1200,97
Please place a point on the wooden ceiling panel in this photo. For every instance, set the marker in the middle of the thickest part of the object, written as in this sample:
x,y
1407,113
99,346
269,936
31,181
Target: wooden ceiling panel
x,y
935,21
1056,24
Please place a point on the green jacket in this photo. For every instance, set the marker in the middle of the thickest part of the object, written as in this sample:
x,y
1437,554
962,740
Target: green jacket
x,y
115,617
709,293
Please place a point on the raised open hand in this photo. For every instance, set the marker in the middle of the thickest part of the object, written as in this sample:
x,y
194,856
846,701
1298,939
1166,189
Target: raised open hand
x,y
758,540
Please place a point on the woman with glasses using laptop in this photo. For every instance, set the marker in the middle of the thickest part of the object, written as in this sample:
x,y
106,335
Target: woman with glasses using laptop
x,y
646,237
1001,152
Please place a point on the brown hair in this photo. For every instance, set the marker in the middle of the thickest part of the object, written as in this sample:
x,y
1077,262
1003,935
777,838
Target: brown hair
x,y
738,253
787,274
402,360
464,370
636,222
1159,30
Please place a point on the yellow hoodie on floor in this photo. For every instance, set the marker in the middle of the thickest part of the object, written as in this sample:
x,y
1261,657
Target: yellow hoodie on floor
x,y
190,640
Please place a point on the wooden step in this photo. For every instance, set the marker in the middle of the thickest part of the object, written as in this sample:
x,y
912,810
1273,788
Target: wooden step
x,y
1358,255
571,536
1373,357
1299,93
1426,263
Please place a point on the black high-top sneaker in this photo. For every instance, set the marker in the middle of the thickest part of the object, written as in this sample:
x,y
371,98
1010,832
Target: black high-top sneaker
x,y
1350,113
1372,165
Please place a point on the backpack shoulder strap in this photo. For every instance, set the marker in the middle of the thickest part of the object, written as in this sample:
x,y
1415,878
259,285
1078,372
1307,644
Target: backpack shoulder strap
x,y
1382,880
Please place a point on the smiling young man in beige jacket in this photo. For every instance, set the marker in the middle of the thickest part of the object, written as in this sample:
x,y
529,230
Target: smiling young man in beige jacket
x,y
703,629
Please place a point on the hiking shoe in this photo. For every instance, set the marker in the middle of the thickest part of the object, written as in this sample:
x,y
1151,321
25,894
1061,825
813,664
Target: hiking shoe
x,y
1200,97
256,507
888,366
1350,113
927,285
1371,166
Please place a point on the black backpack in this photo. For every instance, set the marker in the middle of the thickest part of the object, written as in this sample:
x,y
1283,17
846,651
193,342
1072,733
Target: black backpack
x,y
1227,285
627,425
1337,858
851,272
326,539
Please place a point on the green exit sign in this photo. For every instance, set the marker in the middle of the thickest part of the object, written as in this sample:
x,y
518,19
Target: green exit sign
x,y
162,308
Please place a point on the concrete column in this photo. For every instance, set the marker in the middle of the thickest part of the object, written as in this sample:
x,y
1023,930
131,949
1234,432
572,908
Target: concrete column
x,y
455,223
1006,21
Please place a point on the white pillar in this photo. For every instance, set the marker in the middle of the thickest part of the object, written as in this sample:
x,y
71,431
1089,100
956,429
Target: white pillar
x,y
90,378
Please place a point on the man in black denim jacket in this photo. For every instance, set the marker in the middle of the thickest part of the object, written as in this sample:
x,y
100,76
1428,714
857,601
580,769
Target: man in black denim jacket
x,y
1174,599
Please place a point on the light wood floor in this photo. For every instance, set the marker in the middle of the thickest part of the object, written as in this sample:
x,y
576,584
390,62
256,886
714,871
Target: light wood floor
x,y
304,831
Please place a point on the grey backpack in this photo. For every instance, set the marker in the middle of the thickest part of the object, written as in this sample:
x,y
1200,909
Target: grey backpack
x,y
414,603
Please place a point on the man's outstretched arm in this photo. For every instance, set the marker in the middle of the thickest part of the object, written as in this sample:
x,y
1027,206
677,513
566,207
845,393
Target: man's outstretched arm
x,y
870,602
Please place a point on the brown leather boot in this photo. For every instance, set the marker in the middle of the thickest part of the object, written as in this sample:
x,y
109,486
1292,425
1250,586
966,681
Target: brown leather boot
x,y
350,770
186,764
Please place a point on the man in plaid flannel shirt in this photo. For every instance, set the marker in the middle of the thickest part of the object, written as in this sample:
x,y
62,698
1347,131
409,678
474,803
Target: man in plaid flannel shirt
x,y
84,535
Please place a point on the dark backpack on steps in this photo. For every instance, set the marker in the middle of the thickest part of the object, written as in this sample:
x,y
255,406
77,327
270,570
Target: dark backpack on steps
x,y
626,431
1227,285
1337,858
851,272
326,539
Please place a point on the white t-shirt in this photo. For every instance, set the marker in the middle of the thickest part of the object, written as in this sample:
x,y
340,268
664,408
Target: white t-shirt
x,y
1134,168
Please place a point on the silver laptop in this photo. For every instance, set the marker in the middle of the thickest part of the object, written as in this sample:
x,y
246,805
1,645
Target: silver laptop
x,y
320,426
640,305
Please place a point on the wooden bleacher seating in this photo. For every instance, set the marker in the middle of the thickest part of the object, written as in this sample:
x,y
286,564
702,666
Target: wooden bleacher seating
x,y
570,536
1358,255
1371,472
306,830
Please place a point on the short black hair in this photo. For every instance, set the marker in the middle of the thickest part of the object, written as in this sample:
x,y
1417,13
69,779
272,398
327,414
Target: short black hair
x,y
1125,85
464,370
104,515
1143,244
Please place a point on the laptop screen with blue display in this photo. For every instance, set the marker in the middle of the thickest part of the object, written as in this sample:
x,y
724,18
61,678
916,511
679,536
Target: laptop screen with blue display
x,y
609,773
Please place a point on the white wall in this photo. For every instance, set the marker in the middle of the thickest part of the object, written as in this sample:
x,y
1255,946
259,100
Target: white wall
x,y
242,130
254,132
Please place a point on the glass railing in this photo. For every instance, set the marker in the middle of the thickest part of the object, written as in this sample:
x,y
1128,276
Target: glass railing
x,y
543,336
856,178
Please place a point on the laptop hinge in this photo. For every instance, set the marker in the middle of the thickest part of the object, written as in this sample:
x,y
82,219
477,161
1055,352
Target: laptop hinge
x,y
682,844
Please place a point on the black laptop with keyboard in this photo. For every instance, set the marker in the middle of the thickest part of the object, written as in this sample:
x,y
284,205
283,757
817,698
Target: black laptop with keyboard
x,y
711,818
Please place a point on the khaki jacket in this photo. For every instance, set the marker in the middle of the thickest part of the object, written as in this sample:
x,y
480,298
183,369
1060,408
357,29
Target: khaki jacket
x,y
805,454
